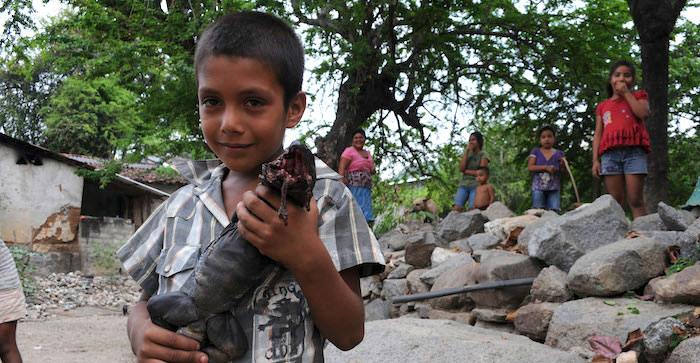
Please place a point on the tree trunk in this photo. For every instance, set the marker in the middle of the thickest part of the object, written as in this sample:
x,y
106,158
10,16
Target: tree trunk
x,y
654,21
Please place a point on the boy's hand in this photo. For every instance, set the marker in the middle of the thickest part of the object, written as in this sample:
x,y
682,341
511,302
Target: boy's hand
x,y
259,224
152,343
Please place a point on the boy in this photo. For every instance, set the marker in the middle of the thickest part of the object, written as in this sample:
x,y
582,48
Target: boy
x,y
249,68
485,194
11,306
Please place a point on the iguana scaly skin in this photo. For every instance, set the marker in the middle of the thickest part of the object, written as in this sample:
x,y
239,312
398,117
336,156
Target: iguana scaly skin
x,y
230,268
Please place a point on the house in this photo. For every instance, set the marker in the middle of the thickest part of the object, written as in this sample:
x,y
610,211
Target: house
x,y
68,219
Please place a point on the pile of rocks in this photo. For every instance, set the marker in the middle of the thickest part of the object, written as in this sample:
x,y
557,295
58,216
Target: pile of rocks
x,y
71,290
589,264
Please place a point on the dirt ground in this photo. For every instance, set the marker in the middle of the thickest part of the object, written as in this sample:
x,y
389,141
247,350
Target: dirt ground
x,y
87,334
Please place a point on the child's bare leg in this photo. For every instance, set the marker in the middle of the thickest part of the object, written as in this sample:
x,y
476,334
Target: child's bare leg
x,y
634,183
9,353
615,184
457,208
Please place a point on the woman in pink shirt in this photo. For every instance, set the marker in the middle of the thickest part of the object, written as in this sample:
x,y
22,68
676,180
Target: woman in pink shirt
x,y
356,166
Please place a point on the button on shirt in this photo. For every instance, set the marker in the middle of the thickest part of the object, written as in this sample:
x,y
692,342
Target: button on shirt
x,y
162,255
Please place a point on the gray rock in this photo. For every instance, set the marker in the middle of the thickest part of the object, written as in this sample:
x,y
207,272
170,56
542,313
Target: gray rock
x,y
419,249
618,267
425,340
503,267
575,321
532,320
460,225
454,278
377,309
483,255
657,337
686,352
491,315
415,285
464,318
562,240
460,260
681,287
503,227
694,229
366,286
393,240
675,219
462,244
440,255
534,212
550,285
649,222
687,242
400,272
482,241
499,327
498,210
526,233
394,287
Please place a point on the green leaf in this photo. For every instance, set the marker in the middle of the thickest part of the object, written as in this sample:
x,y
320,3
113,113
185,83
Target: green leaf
x,y
611,303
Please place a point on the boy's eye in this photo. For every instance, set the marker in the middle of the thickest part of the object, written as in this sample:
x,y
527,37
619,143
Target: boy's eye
x,y
210,102
254,102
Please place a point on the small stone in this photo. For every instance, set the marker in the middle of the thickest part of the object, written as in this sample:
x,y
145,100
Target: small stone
x,y
492,315
532,320
675,219
550,285
680,287
657,337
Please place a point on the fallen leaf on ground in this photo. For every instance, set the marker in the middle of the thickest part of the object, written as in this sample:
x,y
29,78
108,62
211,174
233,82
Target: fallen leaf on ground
x,y
606,346
511,316
611,303
674,252
633,337
645,297
634,235
600,359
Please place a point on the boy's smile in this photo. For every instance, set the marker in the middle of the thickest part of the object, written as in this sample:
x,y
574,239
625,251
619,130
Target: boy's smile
x,y
241,107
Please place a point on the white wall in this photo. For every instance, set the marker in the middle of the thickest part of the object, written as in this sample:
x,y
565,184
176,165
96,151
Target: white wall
x,y
30,194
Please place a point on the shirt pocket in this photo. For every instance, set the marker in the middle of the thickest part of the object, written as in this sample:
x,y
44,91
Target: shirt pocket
x,y
175,266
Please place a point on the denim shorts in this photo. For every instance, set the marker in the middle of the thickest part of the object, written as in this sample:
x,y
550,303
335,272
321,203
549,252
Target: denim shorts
x,y
626,160
464,193
546,199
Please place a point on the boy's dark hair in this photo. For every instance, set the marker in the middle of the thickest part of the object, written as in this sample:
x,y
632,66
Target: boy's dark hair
x,y
259,36
359,131
613,67
545,128
485,169
479,138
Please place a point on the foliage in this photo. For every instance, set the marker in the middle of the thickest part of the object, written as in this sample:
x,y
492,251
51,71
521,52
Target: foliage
x,y
681,264
104,258
22,259
104,176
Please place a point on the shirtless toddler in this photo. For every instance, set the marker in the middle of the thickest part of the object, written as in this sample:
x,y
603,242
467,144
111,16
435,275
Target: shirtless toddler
x,y
485,194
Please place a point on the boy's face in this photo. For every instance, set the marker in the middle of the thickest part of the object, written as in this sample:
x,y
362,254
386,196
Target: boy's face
x,y
547,139
241,107
482,177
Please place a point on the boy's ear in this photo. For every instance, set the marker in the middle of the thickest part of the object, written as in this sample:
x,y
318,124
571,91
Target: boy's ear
x,y
297,106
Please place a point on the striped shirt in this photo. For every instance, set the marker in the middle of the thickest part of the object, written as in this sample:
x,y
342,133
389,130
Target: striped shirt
x,y
9,279
162,255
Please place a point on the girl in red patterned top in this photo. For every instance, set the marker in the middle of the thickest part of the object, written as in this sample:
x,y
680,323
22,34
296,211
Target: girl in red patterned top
x,y
621,142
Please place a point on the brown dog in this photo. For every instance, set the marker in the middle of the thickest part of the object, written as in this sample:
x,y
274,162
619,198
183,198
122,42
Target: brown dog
x,y
426,205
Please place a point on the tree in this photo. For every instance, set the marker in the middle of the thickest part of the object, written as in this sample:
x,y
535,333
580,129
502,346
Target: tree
x,y
655,21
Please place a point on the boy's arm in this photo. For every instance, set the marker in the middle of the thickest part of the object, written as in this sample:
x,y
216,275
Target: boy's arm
x,y
492,194
333,297
151,343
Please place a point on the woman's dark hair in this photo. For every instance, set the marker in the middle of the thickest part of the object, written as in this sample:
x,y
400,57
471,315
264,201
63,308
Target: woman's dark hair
x,y
545,128
613,67
359,131
479,138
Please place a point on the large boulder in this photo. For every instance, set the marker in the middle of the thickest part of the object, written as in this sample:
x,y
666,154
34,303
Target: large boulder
x,y
491,315
694,229
400,272
420,248
482,241
460,317
454,262
498,210
527,232
687,351
649,222
532,320
460,225
503,227
454,278
462,244
550,285
377,309
426,340
575,321
415,285
441,255
657,337
618,267
394,287
561,241
675,219
393,240
681,287
687,242
504,267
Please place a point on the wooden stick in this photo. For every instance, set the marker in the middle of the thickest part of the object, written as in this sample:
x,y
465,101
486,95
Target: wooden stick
x,y
566,164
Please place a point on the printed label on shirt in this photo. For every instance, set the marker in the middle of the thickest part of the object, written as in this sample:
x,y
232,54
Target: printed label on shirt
x,y
607,118
279,323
